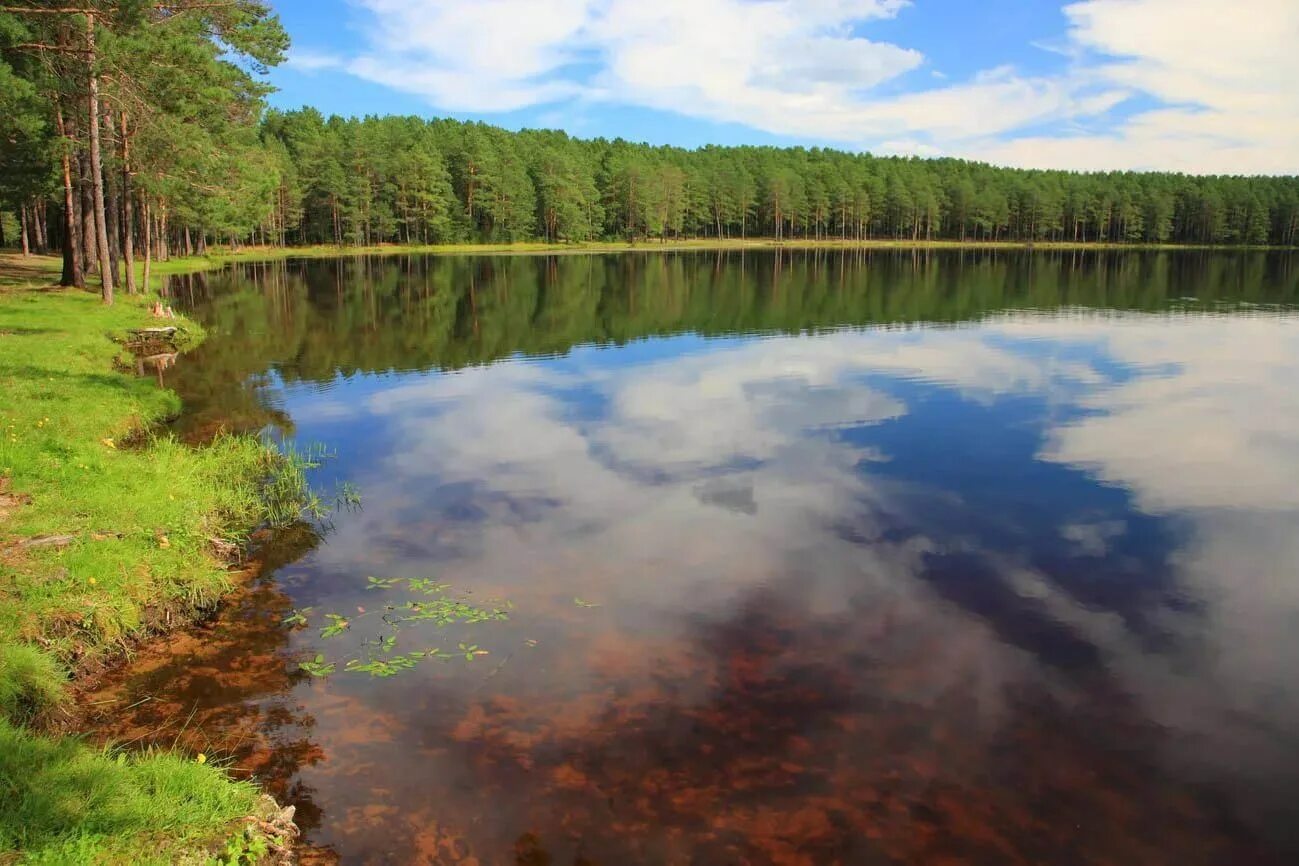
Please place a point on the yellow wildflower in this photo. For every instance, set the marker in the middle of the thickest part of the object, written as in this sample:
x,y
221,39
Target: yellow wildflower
x,y
202,758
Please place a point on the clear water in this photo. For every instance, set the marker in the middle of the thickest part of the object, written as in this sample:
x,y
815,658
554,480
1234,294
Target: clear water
x,y
811,558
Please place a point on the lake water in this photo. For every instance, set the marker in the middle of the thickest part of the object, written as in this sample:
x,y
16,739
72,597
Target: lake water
x,y
808,558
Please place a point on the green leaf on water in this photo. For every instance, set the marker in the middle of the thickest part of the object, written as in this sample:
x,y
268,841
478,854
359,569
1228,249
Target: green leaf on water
x,y
426,586
581,603
337,625
317,667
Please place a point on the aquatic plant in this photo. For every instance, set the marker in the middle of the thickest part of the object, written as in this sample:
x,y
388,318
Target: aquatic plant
x,y
382,655
287,492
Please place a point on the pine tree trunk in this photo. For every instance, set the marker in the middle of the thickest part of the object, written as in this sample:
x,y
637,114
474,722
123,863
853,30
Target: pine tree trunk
x,y
22,229
89,249
164,239
128,212
148,242
112,215
97,168
38,224
73,275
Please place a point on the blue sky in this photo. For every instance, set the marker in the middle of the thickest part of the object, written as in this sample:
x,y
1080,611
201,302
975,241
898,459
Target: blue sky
x,y
1178,84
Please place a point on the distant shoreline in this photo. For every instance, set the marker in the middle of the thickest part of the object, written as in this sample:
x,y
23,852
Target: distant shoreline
x,y
219,256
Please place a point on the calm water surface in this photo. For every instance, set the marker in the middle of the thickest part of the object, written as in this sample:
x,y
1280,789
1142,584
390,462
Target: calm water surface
x,y
818,558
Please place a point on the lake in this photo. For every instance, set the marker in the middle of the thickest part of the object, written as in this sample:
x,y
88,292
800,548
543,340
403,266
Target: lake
x,y
806,557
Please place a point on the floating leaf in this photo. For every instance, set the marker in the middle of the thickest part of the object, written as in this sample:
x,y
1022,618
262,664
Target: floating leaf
x,y
318,667
337,625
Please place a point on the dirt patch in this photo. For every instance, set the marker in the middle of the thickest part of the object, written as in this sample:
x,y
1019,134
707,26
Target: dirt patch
x,y
10,502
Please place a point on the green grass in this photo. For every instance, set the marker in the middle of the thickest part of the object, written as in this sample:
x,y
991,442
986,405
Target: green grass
x,y
142,519
137,520
65,802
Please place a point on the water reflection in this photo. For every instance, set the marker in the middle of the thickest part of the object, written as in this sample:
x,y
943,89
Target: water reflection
x,y
1016,591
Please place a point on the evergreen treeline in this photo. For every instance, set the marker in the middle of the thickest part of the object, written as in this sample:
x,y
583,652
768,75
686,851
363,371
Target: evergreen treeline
x,y
131,126
140,126
403,179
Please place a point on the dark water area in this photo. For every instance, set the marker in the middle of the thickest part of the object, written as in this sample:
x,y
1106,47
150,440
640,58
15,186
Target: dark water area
x,y
809,558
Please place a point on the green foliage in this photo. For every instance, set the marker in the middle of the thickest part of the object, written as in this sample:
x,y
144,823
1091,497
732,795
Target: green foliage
x,y
62,801
400,179
347,495
337,624
317,667
380,656
287,493
243,849
31,682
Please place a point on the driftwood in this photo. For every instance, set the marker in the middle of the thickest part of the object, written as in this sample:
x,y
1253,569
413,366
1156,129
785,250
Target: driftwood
x,y
166,333
48,541
64,540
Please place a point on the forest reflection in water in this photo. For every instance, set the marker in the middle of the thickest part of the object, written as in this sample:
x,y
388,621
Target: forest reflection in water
x,y
814,557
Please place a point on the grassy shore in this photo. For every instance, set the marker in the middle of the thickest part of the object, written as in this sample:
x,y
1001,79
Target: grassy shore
x,y
106,534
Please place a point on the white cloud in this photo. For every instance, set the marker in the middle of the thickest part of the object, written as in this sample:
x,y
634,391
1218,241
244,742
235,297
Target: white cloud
x,y
1225,76
720,59
1221,78
306,60
1207,429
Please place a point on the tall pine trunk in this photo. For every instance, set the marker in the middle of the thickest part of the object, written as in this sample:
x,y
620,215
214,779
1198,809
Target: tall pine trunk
x,y
38,225
86,203
73,275
22,229
128,211
97,167
112,217
148,242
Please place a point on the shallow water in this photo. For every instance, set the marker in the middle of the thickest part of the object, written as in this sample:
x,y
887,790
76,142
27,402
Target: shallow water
x,y
810,558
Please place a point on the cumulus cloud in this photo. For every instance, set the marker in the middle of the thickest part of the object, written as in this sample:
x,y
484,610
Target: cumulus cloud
x,y
1225,78
1220,83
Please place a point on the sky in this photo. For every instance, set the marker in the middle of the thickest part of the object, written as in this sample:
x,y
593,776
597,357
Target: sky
x,y
1199,86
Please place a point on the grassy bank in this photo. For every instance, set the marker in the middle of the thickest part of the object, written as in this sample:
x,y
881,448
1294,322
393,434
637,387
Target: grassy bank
x,y
105,536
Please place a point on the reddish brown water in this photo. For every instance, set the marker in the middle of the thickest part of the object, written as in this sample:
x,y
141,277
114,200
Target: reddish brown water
x,y
1021,591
